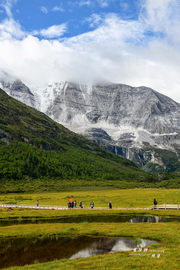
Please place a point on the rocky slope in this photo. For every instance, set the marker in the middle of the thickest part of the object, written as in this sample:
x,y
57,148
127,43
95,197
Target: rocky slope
x,y
19,91
135,122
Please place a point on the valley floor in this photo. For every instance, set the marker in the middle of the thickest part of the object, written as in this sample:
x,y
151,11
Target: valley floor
x,y
164,255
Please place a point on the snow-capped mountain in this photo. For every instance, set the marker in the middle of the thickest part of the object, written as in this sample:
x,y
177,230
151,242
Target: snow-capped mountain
x,y
19,91
134,122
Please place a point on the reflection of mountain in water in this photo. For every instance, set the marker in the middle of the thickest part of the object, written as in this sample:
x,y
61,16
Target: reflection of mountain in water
x,y
151,219
106,245
23,251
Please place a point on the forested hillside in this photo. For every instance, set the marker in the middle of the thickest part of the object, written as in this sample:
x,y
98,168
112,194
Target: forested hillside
x,y
32,146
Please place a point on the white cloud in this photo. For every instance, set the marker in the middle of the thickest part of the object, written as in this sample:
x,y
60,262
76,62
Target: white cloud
x,y
112,29
94,20
58,8
124,5
161,15
7,5
142,52
38,62
103,3
44,9
85,3
10,29
54,31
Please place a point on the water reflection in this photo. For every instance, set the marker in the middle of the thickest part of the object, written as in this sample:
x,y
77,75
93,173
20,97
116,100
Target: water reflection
x,y
81,219
152,219
22,251
106,245
72,219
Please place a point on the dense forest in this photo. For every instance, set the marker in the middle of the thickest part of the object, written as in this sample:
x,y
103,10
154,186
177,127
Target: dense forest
x,y
19,159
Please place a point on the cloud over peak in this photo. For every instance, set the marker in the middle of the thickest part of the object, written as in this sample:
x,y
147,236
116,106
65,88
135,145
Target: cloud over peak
x,y
139,51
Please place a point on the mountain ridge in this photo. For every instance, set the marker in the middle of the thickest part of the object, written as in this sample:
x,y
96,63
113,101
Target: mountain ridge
x,y
136,119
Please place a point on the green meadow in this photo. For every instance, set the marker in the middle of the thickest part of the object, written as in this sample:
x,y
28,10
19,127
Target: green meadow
x,y
164,255
120,198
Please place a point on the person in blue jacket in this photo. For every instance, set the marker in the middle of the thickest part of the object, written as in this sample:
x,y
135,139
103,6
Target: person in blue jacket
x,y
92,205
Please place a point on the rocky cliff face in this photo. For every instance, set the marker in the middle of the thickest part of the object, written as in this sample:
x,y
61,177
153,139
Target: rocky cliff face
x,y
18,90
116,104
130,121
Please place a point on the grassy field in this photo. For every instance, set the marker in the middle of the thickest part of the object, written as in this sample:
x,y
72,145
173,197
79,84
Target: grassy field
x,y
119,198
167,234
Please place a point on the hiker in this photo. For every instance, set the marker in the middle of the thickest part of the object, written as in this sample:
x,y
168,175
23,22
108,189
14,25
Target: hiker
x,y
75,204
110,205
155,203
92,205
72,204
37,203
81,205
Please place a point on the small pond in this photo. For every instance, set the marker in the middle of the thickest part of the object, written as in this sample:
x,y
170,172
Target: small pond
x,y
152,219
22,251
89,219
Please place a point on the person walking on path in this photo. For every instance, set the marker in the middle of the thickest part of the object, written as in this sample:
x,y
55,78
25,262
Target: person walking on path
x,y
92,205
110,205
81,204
37,203
155,203
75,204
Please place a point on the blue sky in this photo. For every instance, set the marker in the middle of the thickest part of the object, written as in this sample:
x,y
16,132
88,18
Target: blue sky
x,y
136,42
77,17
